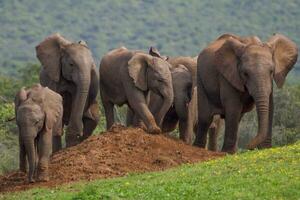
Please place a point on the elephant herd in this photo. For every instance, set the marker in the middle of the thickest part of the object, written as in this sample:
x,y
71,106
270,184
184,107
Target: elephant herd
x,y
228,78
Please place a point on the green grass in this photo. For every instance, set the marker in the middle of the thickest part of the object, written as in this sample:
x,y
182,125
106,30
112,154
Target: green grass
x,y
265,174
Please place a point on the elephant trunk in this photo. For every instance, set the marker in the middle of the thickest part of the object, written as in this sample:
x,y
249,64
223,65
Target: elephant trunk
x,y
168,97
75,128
262,109
30,152
189,116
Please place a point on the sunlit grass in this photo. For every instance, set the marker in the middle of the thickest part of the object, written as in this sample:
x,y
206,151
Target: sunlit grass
x,y
266,174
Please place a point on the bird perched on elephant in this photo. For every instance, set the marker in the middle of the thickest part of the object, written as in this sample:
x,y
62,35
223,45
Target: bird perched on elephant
x,y
234,74
184,109
127,76
39,112
69,69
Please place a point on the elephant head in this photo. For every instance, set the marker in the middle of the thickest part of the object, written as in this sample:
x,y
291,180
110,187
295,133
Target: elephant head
x,y
153,73
38,110
250,65
182,85
62,59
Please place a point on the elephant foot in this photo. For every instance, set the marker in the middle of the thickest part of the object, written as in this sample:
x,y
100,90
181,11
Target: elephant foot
x,y
200,144
255,142
229,151
72,140
43,178
264,146
142,126
31,180
42,174
23,169
154,130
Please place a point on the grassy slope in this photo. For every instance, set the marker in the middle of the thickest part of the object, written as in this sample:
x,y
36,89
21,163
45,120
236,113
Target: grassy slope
x,y
176,27
266,174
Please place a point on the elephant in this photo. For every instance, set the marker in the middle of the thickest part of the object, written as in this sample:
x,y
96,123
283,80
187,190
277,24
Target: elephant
x,y
126,77
184,109
69,69
234,74
39,112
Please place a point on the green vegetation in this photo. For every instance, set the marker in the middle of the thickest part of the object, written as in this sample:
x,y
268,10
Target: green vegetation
x,y
266,174
176,27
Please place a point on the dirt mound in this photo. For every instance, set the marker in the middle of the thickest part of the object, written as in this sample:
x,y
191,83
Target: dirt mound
x,y
111,154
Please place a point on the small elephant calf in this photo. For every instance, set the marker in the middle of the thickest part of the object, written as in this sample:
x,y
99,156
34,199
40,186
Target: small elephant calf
x,y
39,113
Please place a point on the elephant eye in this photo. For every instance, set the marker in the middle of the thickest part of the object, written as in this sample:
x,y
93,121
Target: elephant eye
x,y
246,74
71,64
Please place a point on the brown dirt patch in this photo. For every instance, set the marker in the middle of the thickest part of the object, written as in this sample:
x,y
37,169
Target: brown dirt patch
x,y
114,153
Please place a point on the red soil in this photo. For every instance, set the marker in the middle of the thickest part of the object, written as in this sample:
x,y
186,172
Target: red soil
x,y
114,153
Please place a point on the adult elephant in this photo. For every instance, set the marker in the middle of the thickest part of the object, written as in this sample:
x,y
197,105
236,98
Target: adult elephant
x,y
69,69
184,109
234,74
127,76
39,113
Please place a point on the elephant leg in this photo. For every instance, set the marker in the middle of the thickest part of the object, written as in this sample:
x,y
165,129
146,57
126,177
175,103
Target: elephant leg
x,y
137,122
185,133
22,156
109,113
129,117
205,117
232,119
138,104
36,153
212,140
56,144
44,147
90,120
203,126
170,121
89,126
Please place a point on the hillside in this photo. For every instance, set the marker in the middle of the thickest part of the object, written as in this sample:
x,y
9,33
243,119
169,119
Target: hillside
x,y
175,27
266,174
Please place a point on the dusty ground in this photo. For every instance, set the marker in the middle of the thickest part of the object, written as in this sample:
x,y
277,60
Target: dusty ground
x,y
112,154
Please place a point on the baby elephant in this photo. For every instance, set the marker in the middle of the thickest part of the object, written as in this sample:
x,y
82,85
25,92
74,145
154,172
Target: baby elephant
x,y
39,118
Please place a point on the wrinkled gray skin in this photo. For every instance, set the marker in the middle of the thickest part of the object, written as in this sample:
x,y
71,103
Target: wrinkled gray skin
x,y
233,75
184,108
69,69
126,77
39,113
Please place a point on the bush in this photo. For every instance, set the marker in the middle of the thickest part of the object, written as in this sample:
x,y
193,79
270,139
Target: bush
x,y
8,138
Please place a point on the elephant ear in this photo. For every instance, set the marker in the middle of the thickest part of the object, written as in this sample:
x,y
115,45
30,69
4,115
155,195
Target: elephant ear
x,y
52,106
21,96
226,58
83,43
154,52
285,54
49,52
137,68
